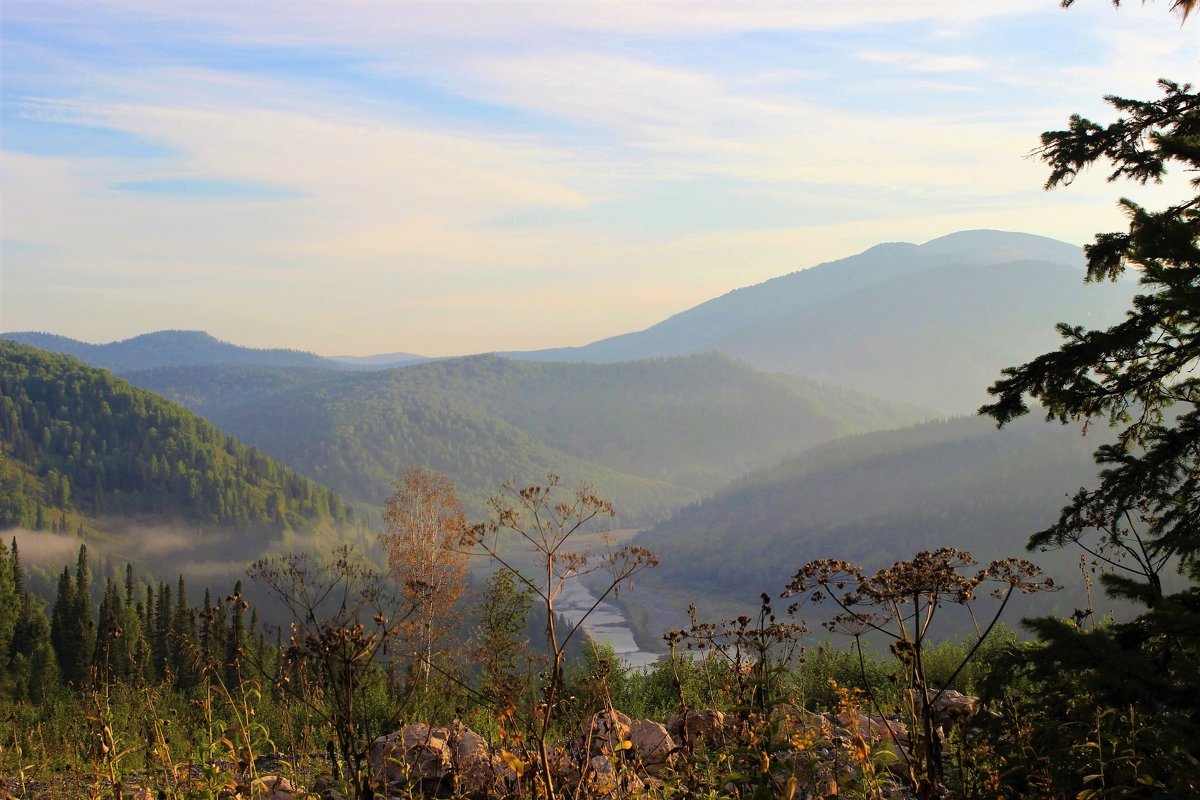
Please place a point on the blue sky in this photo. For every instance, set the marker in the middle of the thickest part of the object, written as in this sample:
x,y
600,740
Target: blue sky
x,y
453,177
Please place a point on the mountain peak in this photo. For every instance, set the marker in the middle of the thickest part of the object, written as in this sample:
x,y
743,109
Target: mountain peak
x,y
929,324
995,247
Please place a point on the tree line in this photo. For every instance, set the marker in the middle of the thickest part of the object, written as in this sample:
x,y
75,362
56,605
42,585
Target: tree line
x,y
142,630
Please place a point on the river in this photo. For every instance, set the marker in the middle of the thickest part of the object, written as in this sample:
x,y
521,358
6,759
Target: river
x,y
605,624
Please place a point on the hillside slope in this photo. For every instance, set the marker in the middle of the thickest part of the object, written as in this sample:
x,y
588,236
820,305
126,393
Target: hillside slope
x,y
76,439
651,435
878,498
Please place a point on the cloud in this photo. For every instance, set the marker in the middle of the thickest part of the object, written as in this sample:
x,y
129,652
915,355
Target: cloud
x,y
206,189
924,62
367,22
412,177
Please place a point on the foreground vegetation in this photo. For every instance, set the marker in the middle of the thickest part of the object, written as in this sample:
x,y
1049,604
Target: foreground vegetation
x,y
198,702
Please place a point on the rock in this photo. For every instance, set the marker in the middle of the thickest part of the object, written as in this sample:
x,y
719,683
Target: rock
x,y
951,707
616,753
695,726
564,767
605,732
653,746
413,755
429,758
606,778
602,768
273,787
477,768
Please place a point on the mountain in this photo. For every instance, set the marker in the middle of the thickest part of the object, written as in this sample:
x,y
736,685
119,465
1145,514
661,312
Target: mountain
x,y
651,435
878,498
76,442
380,361
929,324
169,348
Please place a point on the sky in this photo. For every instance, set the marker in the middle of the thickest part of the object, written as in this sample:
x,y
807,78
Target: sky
x,y
443,178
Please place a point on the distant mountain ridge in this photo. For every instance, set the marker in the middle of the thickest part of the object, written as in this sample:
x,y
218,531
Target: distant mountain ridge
x,y
380,361
928,324
167,349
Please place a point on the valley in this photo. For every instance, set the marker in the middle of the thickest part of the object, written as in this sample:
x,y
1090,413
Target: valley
x,y
710,478
723,465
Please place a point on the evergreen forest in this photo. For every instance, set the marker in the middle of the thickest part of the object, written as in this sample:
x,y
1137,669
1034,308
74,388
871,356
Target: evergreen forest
x,y
77,442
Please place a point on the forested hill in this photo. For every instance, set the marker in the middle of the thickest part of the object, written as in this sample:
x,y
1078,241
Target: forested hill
x,y
651,435
878,498
75,438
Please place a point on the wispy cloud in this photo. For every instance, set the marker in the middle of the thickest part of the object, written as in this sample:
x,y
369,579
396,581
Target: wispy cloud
x,y
924,62
442,177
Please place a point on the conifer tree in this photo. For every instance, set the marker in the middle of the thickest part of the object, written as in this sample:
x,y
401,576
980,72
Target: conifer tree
x,y
185,645
218,634
206,625
18,571
10,604
86,636
160,645
25,637
64,629
1136,683
108,632
147,611
33,665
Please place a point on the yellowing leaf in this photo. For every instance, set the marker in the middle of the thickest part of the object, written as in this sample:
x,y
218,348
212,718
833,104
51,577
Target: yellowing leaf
x,y
514,763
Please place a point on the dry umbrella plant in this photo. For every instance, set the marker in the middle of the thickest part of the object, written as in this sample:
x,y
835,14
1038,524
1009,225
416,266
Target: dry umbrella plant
x,y
900,603
544,525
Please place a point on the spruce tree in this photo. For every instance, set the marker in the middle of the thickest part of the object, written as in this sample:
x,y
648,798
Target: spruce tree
x,y
108,632
218,635
63,628
34,666
160,644
206,625
85,622
18,571
10,603
185,646
1136,683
